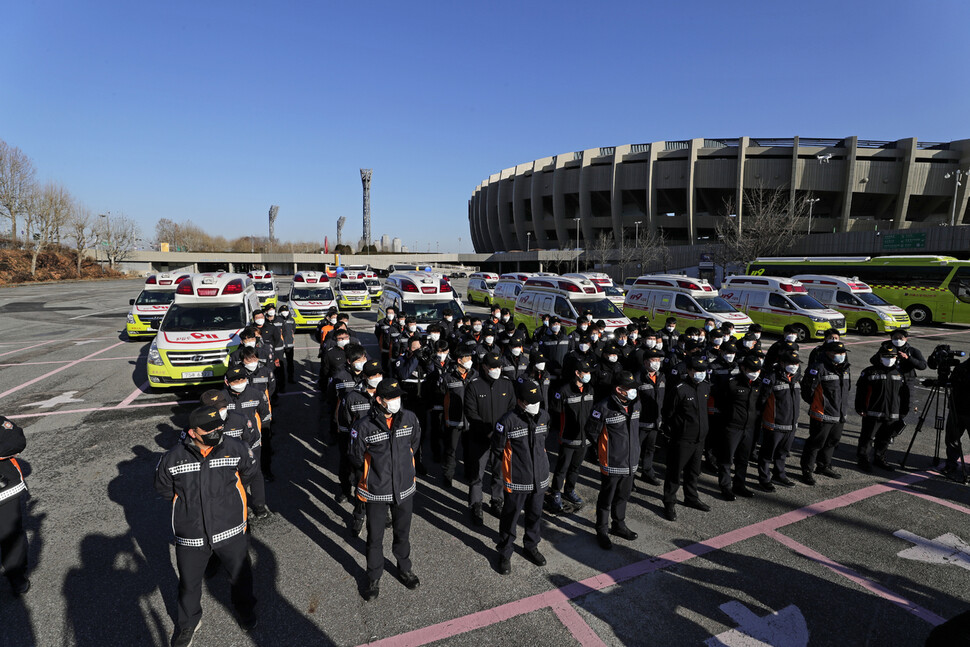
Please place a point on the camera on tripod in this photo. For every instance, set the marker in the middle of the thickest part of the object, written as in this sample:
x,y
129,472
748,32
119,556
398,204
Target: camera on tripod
x,y
943,359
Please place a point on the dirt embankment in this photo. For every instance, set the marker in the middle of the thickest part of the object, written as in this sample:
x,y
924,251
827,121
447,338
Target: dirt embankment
x,y
52,265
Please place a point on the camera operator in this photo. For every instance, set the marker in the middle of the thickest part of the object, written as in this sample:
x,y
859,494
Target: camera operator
x,y
958,421
909,359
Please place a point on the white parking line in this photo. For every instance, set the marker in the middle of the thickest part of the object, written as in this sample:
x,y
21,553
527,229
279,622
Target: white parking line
x,y
90,314
58,370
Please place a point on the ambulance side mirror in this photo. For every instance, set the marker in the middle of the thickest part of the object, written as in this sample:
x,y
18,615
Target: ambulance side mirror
x,y
131,302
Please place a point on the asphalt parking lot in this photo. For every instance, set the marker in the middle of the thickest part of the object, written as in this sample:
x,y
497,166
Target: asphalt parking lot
x,y
871,559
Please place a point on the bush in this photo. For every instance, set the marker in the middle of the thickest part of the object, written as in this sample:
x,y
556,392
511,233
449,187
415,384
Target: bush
x,y
55,264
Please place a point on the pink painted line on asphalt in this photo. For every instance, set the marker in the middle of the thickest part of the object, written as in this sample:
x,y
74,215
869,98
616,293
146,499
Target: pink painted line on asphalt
x,y
20,350
66,361
851,575
131,397
58,370
556,597
938,500
578,627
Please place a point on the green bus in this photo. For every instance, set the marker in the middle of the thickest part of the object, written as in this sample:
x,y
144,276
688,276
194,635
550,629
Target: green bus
x,y
929,288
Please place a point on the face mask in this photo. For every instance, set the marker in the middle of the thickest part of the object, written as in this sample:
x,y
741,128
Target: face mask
x,y
693,338
595,337
545,323
505,318
250,343
434,336
477,328
271,313
251,367
390,316
238,387
791,369
655,366
223,413
589,317
583,348
888,361
494,373
838,359
752,376
412,328
332,320
372,382
540,366
716,341
899,343
633,337
621,342
650,343
709,327
448,319
757,335
583,327
359,366
393,406
555,328
659,345
749,344
342,342
442,358
532,409
516,351
611,358
496,316
729,358
489,341
631,394
260,321
211,439
699,376
284,313
467,364
790,337
670,328
584,378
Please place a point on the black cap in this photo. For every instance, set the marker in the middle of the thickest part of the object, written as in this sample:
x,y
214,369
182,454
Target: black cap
x,y
236,373
205,418
553,320
749,336
492,360
528,391
372,368
788,356
671,320
389,389
653,353
834,347
215,398
692,345
466,349
755,328
790,328
625,380
583,366
698,363
537,356
887,351
901,331
752,362
729,346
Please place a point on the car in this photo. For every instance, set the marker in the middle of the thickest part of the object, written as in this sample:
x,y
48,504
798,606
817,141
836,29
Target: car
x,y
353,294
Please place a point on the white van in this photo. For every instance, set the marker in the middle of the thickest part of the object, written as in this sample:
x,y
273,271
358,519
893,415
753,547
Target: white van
x,y
310,298
690,300
566,298
775,302
510,285
423,295
149,307
863,310
201,329
265,287
481,287
599,278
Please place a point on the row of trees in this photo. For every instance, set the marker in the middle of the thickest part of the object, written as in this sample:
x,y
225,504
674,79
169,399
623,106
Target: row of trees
x,y
44,214
188,237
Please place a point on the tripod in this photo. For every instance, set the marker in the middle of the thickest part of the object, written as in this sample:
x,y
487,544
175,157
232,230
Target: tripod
x,y
940,399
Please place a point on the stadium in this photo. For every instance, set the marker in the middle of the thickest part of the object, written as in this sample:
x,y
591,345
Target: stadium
x,y
682,188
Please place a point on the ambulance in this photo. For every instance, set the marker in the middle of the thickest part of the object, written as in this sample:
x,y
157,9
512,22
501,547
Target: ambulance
x,y
151,304
690,300
566,298
481,288
775,302
374,285
509,286
599,278
423,295
201,329
352,294
310,298
864,311
265,287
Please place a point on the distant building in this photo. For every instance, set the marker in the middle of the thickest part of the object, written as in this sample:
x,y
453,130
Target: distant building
x,y
396,246
385,243
404,250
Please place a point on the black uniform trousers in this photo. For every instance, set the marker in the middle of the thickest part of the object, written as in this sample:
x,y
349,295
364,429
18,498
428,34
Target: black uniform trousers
x,y
401,544
437,436
13,540
878,432
483,460
648,450
956,426
290,365
513,506
569,461
191,564
257,487
452,436
279,373
773,453
735,449
615,491
266,449
823,439
683,462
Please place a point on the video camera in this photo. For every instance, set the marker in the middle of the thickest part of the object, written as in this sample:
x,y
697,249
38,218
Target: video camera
x,y
943,359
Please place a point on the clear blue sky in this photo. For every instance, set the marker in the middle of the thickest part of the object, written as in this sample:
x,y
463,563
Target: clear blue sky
x,y
211,111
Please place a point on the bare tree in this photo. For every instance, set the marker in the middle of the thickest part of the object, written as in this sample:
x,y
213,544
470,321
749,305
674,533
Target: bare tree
x,y
116,235
603,248
768,224
17,184
79,225
47,212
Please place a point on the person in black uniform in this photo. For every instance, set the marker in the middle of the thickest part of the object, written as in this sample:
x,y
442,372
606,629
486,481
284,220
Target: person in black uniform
x,y
13,538
520,438
826,388
487,398
668,334
909,359
452,385
288,330
653,385
609,367
355,405
439,365
779,403
958,421
614,429
383,444
251,403
749,345
387,331
814,357
571,407
343,382
204,477
788,342
685,413
274,328
555,344
741,421
411,370
516,359
878,398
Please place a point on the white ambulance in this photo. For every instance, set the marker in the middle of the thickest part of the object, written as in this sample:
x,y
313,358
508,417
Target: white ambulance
x,y
775,302
690,300
423,295
310,298
201,329
566,298
265,287
868,313
151,304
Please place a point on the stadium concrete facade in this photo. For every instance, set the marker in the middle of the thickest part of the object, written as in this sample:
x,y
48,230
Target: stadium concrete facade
x,y
682,188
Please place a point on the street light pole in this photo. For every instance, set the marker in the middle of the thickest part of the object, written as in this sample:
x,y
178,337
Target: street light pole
x,y
636,233
956,188
811,203
577,244
528,240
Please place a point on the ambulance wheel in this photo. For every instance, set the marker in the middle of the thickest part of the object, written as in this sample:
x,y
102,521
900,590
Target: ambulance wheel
x,y
487,303
866,327
920,314
802,333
